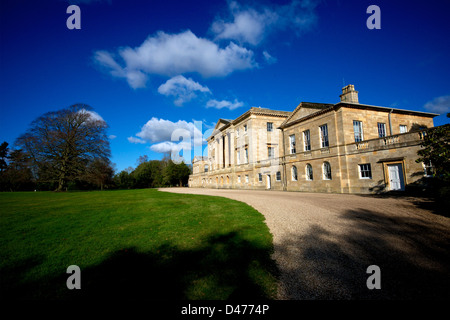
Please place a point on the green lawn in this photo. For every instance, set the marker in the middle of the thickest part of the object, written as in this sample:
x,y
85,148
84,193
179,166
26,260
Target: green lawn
x,y
133,244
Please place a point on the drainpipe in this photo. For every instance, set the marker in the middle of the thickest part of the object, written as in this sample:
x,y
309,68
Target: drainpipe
x,y
283,161
390,124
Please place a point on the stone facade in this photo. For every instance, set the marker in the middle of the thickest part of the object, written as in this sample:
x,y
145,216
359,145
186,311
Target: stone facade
x,y
346,147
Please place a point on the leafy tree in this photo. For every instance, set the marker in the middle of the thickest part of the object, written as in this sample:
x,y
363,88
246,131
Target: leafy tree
x,y
3,155
99,173
123,180
18,175
63,143
436,149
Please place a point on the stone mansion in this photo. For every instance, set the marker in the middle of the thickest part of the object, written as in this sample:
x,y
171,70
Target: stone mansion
x,y
345,147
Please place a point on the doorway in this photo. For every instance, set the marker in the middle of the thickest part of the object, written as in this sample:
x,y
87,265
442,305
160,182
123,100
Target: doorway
x,y
268,181
396,181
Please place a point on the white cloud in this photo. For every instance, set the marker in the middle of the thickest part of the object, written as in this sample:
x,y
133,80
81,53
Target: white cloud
x,y
249,25
224,104
159,130
269,59
136,140
439,105
93,116
175,54
182,89
112,136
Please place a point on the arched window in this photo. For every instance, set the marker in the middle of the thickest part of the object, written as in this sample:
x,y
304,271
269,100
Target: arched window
x,y
309,172
326,171
228,179
294,173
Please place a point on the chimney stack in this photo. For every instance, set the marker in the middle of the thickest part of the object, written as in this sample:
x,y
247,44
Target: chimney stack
x,y
349,94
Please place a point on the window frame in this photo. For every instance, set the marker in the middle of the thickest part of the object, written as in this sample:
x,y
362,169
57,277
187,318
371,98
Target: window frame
x,y
292,148
403,126
307,140
270,155
359,136
294,169
326,172
307,172
323,132
269,126
367,171
384,129
278,176
260,178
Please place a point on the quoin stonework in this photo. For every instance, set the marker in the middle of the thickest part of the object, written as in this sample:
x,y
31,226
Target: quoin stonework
x,y
347,147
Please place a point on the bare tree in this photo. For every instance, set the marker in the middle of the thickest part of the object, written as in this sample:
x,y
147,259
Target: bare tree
x,y
63,143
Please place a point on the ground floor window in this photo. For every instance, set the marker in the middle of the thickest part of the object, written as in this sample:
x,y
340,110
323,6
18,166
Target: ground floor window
x,y
260,177
365,171
326,171
246,178
294,173
239,179
309,172
428,169
278,176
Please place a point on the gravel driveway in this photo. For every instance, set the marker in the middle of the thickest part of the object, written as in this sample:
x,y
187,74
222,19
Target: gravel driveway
x,y
324,243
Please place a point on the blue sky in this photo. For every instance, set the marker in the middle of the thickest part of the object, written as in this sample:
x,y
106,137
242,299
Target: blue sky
x,y
150,67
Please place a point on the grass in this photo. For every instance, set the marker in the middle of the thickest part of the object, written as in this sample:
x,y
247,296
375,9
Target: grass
x,y
133,244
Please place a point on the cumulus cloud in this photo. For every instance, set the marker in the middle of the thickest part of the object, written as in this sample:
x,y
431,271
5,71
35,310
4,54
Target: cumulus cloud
x,y
250,25
439,105
112,136
224,104
182,89
136,140
161,130
174,54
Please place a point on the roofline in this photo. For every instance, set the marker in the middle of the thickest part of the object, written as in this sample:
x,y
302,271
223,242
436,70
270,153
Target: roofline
x,y
343,103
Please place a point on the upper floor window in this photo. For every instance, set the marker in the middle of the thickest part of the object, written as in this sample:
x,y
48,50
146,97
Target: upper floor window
x,y
245,128
292,143
246,155
269,126
309,172
271,152
358,130
381,129
206,168
306,140
238,157
326,171
403,128
237,132
294,173
324,136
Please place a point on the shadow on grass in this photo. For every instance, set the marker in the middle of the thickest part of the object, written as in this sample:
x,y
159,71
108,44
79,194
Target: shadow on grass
x,y
412,254
227,267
